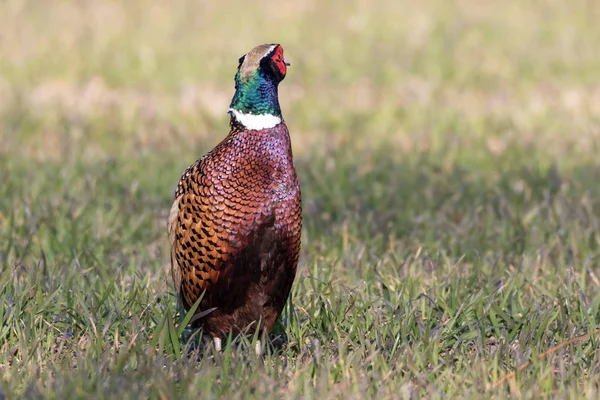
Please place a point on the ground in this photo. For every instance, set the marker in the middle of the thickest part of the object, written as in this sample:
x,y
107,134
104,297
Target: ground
x,y
448,158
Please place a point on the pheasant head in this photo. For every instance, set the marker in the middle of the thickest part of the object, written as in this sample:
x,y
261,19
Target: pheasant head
x,y
255,104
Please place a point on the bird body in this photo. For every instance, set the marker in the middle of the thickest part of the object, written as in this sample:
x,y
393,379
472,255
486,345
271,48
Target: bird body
x,y
236,218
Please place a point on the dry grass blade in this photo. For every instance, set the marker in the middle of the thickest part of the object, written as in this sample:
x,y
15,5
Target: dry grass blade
x,y
544,355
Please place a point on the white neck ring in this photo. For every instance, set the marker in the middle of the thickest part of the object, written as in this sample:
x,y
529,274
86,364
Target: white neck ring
x,y
255,121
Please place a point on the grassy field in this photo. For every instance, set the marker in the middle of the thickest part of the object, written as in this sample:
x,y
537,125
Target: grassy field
x,y
448,158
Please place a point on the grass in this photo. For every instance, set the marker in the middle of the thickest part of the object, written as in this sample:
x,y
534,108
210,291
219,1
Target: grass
x,y
448,157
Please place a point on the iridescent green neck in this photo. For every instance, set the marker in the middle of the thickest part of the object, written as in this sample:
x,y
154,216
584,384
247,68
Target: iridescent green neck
x,y
256,96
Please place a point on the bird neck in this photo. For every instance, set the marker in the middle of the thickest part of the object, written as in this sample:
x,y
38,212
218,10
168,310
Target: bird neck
x,y
255,104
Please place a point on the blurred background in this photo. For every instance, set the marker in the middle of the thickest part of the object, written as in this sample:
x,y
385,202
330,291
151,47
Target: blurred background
x,y
107,78
412,122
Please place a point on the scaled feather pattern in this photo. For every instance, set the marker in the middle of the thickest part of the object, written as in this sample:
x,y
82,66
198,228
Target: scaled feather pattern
x,y
236,221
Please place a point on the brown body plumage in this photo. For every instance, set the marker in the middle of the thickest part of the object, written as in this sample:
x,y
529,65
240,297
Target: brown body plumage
x,y
235,230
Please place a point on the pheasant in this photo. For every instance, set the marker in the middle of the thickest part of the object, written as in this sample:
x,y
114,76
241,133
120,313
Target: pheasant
x,y
236,219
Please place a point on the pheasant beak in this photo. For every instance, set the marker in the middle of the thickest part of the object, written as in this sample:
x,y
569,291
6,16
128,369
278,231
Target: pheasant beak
x,y
286,62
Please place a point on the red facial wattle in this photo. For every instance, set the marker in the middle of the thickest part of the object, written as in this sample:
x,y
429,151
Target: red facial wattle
x,y
279,60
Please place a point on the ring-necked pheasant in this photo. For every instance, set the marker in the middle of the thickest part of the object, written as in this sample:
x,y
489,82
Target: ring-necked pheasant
x,y
235,224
